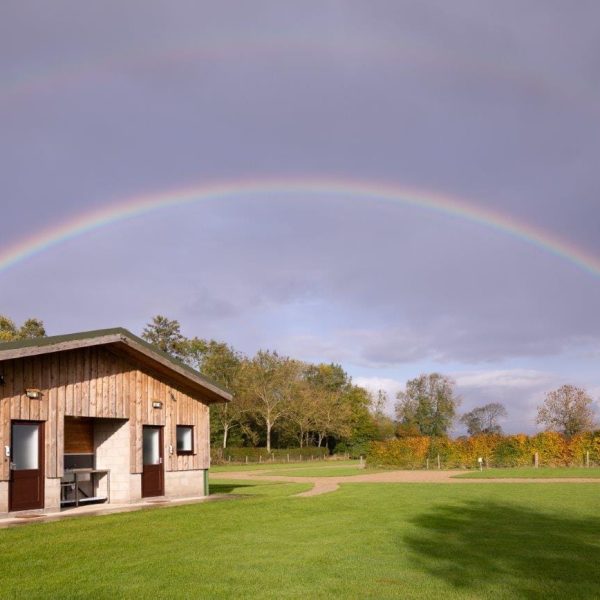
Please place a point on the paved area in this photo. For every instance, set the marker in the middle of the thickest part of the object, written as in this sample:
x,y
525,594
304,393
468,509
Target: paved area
x,y
323,485
32,516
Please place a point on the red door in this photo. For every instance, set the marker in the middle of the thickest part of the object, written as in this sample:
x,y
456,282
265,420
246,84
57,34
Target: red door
x,y
153,476
26,486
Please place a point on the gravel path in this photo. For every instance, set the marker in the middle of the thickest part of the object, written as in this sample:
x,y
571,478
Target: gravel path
x,y
323,485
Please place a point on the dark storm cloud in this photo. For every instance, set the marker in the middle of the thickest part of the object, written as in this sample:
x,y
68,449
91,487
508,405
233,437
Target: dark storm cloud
x,y
494,102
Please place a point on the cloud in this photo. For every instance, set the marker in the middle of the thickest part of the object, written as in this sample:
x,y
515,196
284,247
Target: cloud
x,y
519,390
390,386
432,99
501,379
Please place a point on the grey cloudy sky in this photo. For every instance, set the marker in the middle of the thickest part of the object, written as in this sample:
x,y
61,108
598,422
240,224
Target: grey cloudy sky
x,y
496,102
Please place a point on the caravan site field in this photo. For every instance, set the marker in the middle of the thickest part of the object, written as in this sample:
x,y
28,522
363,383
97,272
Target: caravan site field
x,y
365,540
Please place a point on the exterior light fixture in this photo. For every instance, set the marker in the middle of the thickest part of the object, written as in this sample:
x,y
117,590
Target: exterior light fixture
x,y
157,405
33,394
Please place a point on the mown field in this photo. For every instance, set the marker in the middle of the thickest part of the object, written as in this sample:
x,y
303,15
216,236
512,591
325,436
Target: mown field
x,y
363,541
267,466
337,468
533,473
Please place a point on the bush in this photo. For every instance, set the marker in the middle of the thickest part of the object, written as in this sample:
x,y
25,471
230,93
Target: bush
x,y
554,449
352,450
407,452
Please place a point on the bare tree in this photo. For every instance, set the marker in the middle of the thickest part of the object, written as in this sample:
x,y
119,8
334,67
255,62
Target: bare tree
x,y
484,419
568,410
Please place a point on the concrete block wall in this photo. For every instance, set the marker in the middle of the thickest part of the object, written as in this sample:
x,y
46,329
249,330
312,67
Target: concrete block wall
x,y
111,444
52,494
3,497
184,483
135,487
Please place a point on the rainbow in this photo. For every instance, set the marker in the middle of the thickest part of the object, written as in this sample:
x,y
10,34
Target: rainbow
x,y
33,83
129,208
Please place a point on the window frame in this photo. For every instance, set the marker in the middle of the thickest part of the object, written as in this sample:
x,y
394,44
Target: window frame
x,y
189,452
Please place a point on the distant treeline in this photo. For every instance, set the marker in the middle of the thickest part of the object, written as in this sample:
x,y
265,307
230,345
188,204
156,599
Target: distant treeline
x,y
282,402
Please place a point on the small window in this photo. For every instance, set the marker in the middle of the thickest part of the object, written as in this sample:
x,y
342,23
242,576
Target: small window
x,y
185,439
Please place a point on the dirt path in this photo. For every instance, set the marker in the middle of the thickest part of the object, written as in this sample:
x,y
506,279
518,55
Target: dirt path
x,y
323,485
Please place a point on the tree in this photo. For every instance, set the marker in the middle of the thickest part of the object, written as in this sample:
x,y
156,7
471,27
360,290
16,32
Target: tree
x,y
164,334
302,413
333,414
428,406
268,383
31,328
8,329
568,410
384,424
222,364
328,376
484,419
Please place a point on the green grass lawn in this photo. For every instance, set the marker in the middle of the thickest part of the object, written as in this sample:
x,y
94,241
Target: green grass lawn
x,y
267,466
321,468
364,541
531,472
331,470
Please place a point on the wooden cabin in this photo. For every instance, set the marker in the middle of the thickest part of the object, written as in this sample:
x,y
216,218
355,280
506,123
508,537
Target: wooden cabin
x,y
100,416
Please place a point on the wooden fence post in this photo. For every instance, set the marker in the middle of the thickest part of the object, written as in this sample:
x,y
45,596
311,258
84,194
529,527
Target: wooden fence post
x,y
439,462
536,460
587,458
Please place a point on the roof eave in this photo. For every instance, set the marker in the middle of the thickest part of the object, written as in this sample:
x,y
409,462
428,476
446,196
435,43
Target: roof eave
x,y
214,393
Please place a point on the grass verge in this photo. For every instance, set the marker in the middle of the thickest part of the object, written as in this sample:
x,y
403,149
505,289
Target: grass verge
x,y
284,466
533,473
363,541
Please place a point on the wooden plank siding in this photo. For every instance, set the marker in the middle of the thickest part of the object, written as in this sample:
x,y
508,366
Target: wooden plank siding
x,y
98,383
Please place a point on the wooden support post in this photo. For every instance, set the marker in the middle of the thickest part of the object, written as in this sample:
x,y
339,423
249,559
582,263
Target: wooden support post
x,y
587,458
536,460
427,465
439,462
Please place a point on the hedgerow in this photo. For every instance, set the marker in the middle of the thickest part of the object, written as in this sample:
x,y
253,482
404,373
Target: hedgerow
x,y
552,449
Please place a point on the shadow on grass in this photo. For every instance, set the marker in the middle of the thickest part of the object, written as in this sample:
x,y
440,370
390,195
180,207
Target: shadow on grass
x,y
227,488
493,549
